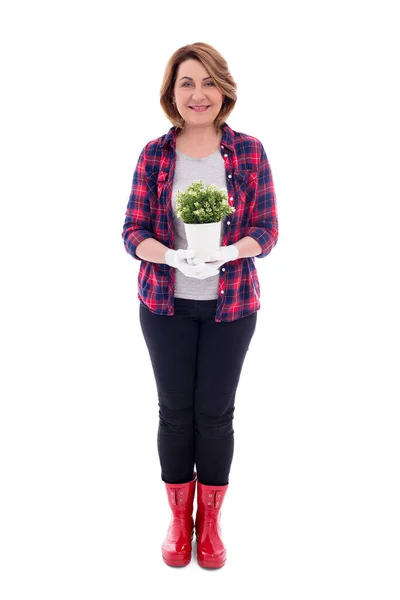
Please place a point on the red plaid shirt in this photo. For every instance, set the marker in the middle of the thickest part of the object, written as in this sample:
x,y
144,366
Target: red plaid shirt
x,y
149,215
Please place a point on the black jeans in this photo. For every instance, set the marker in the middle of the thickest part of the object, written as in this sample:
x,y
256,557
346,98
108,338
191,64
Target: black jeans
x,y
197,364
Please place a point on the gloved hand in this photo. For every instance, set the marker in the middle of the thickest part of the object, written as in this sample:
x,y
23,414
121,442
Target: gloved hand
x,y
218,257
198,270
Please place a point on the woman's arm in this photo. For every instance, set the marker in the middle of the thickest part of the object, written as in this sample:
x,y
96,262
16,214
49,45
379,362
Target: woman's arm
x,y
248,246
264,218
152,250
137,226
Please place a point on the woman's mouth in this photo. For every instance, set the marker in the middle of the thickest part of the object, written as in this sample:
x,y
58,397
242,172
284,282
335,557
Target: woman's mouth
x,y
199,108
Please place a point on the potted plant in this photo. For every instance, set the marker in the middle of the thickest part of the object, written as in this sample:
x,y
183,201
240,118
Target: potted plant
x,y
202,208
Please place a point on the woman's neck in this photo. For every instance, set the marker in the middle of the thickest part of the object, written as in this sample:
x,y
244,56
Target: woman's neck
x,y
199,137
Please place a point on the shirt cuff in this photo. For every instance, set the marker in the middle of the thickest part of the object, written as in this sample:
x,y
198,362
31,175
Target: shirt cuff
x,y
135,238
265,238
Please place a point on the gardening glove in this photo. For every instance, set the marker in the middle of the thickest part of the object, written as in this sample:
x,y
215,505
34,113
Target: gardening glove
x,y
218,257
199,270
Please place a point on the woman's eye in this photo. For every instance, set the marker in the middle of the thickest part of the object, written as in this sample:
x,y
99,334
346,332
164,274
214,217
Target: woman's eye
x,y
188,82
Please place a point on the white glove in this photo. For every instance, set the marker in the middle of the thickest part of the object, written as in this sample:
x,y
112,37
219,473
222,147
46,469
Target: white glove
x,y
218,257
198,270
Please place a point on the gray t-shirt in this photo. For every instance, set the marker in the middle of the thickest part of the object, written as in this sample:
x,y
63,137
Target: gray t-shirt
x,y
210,169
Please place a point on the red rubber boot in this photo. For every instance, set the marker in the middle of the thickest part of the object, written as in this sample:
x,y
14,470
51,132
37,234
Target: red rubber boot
x,y
177,545
211,552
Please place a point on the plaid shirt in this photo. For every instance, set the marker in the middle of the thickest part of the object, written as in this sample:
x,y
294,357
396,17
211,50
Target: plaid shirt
x,y
149,215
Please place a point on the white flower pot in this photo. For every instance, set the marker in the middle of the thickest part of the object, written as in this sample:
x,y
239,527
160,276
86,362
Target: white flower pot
x,y
203,237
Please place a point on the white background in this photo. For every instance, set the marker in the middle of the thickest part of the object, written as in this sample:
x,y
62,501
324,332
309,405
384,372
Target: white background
x,y
313,505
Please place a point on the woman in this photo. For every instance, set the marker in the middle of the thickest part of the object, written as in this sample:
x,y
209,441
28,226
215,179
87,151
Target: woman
x,y
198,318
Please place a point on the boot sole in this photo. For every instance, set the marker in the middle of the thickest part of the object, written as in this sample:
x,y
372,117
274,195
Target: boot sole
x,y
179,562
206,564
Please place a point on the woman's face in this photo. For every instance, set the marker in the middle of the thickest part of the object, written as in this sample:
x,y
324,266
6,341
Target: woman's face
x,y
194,87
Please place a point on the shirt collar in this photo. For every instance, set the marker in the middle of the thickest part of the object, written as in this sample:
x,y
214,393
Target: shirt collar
x,y
226,140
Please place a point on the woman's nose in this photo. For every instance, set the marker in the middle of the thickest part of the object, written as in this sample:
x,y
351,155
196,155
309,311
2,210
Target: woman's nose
x,y
198,94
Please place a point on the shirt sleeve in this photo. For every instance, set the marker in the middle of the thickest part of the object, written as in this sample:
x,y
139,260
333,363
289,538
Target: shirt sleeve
x,y
137,226
264,217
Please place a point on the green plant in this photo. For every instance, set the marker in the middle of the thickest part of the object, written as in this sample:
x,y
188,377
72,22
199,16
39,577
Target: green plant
x,y
202,204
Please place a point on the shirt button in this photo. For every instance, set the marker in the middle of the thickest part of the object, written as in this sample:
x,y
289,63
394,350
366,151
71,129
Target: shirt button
x,y
228,222
225,155
223,268
229,176
222,291
221,146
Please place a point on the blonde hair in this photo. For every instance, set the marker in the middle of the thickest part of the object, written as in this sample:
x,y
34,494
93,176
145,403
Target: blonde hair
x,y
217,68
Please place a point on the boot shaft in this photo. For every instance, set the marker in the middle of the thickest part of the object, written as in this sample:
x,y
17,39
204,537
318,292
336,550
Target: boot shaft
x,y
209,502
210,497
181,496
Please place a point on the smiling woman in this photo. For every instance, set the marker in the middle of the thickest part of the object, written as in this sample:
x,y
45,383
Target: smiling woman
x,y
198,318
